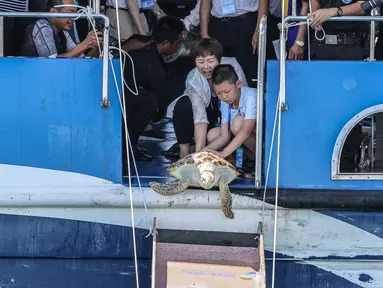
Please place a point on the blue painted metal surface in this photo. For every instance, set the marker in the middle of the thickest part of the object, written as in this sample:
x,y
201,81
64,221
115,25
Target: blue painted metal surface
x,y
24,236
35,251
73,273
371,222
322,97
80,273
296,274
50,117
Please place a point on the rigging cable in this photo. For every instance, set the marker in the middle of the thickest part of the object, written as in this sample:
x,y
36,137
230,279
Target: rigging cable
x,y
89,13
278,116
127,148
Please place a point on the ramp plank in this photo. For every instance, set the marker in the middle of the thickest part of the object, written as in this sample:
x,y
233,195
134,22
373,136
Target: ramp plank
x,y
207,254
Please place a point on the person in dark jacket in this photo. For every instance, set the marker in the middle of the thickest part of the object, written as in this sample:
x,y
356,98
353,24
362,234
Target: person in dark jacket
x,y
154,86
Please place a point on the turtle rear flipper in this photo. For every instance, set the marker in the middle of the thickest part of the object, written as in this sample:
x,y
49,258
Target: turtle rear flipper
x,y
226,200
169,188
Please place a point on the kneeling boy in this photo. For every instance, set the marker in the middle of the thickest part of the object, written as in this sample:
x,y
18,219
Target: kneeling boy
x,y
238,113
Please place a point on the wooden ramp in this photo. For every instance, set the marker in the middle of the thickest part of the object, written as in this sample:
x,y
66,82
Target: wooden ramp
x,y
207,254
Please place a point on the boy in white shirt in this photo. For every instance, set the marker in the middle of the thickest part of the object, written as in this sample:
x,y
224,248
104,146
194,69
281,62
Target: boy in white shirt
x,y
238,114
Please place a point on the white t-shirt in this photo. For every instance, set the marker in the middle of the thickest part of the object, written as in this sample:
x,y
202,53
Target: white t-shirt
x,y
247,106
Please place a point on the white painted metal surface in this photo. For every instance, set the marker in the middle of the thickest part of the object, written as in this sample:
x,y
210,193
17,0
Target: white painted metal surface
x,y
301,233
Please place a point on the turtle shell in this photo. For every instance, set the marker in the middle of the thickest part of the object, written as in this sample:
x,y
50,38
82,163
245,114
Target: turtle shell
x,y
188,167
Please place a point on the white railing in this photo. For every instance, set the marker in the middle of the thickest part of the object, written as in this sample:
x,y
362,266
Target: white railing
x,y
105,65
288,19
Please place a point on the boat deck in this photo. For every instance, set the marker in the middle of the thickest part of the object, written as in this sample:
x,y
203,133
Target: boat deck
x,y
155,170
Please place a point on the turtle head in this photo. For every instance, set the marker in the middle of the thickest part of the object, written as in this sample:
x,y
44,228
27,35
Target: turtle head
x,y
207,179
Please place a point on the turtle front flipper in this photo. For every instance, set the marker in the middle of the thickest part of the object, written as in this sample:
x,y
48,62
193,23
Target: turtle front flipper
x,y
226,200
169,188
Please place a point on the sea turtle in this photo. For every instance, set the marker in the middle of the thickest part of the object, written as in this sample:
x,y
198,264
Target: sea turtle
x,y
201,169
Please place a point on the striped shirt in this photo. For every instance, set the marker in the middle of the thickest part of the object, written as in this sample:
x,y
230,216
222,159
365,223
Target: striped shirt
x,y
14,5
44,39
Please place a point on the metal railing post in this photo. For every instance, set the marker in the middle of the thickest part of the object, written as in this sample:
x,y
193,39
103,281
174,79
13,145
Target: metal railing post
x,y
260,99
371,58
105,66
1,36
282,60
288,19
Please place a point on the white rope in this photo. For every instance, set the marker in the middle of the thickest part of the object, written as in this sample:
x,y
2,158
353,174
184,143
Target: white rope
x,y
150,224
89,13
316,31
307,22
269,161
279,104
127,149
276,188
126,54
279,116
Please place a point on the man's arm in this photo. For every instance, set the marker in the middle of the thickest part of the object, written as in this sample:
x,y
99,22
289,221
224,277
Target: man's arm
x,y
315,5
75,52
297,52
204,16
78,50
322,15
134,12
193,17
302,30
46,46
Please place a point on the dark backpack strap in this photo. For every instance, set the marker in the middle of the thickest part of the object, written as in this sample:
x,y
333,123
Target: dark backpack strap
x,y
28,48
61,43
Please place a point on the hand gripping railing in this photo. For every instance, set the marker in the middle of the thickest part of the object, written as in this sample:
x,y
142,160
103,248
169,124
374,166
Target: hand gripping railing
x,y
105,101
260,99
288,19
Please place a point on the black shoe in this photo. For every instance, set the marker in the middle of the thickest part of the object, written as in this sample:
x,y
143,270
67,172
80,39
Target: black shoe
x,y
173,151
152,135
139,155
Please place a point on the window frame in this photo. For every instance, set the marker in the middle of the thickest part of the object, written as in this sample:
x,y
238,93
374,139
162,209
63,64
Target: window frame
x,y
338,147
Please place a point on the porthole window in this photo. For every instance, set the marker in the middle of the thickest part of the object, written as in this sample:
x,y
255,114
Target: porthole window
x,y
358,151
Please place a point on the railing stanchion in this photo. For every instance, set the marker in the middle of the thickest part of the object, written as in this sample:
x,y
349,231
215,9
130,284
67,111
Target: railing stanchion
x,y
1,36
260,99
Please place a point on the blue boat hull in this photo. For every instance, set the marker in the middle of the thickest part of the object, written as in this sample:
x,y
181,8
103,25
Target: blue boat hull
x,y
62,253
54,125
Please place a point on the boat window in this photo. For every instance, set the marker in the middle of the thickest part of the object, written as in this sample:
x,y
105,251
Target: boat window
x,y
358,152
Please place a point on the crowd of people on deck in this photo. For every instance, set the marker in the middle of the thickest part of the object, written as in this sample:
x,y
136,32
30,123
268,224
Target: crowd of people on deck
x,y
211,92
